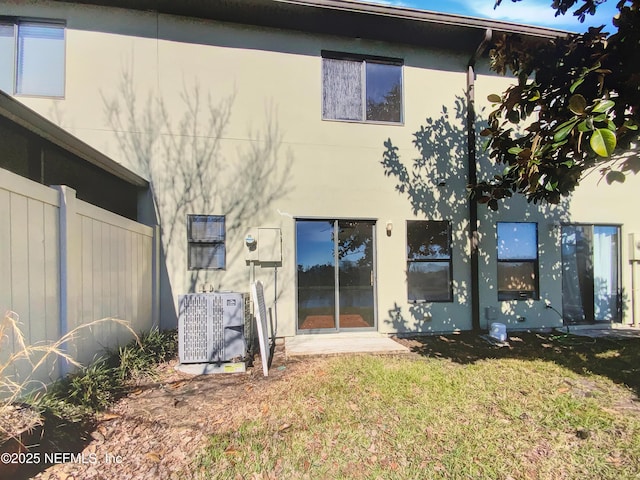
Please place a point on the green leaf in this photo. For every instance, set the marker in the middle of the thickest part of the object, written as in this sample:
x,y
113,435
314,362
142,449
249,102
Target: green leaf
x,y
576,84
577,104
564,129
603,142
535,96
603,106
615,176
493,98
515,150
630,125
585,125
507,170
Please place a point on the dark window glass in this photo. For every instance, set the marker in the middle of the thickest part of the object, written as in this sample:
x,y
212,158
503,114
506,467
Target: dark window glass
x,y
206,242
429,264
384,92
517,260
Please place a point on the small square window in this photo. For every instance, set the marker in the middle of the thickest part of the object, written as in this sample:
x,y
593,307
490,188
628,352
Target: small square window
x,y
33,58
517,260
206,242
356,88
429,264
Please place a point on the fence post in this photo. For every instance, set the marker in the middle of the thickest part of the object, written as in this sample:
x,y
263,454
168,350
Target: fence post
x,y
69,267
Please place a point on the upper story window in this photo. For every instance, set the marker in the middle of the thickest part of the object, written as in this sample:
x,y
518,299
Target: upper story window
x,y
361,89
517,260
206,242
32,58
429,268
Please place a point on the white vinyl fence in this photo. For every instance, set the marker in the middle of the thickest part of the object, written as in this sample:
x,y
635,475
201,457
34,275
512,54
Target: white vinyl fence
x,y
65,263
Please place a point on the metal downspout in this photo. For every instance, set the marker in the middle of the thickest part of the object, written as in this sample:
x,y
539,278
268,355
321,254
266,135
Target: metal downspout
x,y
473,178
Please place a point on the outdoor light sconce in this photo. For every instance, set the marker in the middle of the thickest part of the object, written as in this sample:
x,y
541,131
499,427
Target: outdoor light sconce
x,y
389,228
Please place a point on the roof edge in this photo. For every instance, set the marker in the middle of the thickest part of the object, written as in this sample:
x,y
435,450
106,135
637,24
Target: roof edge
x,y
429,16
34,122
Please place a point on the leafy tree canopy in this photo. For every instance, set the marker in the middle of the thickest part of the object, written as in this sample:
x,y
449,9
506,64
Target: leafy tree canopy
x,y
575,108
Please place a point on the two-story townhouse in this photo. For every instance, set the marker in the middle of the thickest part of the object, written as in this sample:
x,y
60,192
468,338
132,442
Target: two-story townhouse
x,y
261,126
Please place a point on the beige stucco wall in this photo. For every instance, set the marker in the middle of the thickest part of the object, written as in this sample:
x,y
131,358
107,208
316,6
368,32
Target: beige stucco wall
x,y
154,92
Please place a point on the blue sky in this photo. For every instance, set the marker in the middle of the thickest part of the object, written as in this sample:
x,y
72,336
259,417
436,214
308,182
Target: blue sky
x,y
530,12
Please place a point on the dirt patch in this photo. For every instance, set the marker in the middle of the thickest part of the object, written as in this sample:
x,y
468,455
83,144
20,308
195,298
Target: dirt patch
x,y
157,430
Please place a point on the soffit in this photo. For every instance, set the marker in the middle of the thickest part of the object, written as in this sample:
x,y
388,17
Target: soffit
x,y
342,18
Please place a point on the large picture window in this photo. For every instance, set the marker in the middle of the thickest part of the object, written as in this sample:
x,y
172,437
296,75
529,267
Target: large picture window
x,y
517,260
429,261
206,242
361,89
32,58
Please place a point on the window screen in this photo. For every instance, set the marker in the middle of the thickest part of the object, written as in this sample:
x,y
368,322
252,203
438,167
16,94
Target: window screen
x,y
206,242
341,89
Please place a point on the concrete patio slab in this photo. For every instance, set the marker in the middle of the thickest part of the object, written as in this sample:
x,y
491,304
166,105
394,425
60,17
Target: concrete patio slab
x,y
342,343
607,332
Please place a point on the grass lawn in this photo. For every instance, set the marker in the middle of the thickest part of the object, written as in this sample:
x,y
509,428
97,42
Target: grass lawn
x,y
454,411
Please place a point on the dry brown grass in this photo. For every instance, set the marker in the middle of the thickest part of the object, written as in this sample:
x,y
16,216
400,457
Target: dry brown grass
x,y
34,358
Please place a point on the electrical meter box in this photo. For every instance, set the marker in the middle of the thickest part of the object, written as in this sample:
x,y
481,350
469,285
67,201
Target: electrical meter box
x,y
269,245
634,247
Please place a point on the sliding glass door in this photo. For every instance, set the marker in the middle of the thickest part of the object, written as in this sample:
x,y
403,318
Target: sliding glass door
x,y
335,275
590,274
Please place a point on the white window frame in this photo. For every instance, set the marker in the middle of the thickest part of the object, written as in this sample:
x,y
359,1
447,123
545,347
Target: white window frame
x,y
14,63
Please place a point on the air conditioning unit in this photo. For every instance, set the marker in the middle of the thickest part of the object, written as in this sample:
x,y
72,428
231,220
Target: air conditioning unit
x,y
211,327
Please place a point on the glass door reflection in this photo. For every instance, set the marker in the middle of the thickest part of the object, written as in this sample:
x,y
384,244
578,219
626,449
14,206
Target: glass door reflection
x,y
355,274
335,274
315,255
